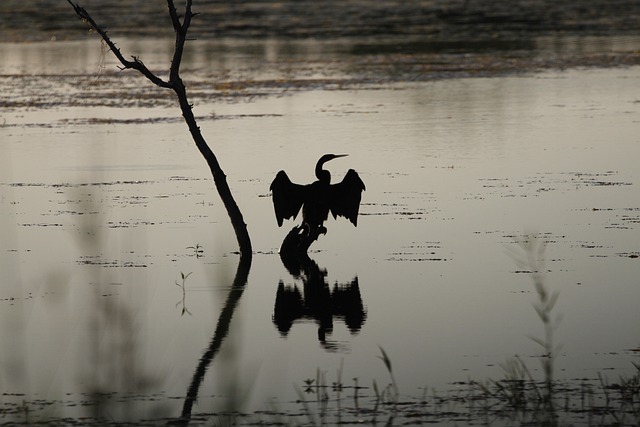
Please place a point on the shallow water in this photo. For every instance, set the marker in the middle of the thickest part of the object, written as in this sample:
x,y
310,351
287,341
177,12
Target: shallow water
x,y
106,202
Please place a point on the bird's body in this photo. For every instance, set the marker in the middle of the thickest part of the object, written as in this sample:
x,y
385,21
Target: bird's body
x,y
318,198
316,204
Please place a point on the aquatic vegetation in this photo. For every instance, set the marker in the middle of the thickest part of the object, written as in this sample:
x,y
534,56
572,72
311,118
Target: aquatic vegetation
x,y
390,394
184,292
142,229
517,397
531,258
197,249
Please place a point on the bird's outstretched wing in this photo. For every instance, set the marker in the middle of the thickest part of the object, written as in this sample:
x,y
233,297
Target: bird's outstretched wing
x,y
287,197
345,197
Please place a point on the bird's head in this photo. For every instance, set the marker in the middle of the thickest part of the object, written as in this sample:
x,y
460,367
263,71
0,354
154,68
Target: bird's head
x,y
328,157
322,174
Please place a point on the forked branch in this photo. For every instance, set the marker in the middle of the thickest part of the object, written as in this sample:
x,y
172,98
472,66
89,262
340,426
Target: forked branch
x,y
181,36
176,84
175,19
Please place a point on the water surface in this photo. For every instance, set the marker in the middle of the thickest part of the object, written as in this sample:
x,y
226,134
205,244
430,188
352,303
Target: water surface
x,y
106,203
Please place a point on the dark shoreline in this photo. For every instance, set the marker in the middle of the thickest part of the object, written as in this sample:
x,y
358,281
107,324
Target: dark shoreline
x,y
462,21
382,41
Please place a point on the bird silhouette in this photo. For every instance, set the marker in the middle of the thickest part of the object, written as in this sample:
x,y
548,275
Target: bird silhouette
x,y
318,198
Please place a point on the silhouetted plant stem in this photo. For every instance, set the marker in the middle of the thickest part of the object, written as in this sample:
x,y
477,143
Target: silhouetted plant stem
x,y
532,258
175,83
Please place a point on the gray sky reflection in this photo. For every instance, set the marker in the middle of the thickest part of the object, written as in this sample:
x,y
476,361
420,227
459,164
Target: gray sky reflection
x,y
454,170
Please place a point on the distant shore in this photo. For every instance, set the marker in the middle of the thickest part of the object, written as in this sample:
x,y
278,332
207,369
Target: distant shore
x,y
434,20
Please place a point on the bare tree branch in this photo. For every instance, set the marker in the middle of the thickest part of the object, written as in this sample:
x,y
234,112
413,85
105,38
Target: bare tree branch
x,y
181,36
175,19
175,83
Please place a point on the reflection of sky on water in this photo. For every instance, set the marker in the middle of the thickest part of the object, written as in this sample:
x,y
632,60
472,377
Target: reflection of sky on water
x,y
453,170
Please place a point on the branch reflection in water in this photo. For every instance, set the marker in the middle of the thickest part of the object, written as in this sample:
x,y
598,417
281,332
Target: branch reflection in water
x,y
221,332
317,302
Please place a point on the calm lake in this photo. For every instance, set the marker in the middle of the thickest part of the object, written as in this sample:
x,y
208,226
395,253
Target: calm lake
x,y
118,258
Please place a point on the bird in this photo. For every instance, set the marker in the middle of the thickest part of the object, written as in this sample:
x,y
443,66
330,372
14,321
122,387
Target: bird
x,y
318,198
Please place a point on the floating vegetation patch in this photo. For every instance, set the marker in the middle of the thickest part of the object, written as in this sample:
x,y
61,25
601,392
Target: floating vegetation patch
x,y
618,218
129,224
588,245
544,182
64,200
380,208
12,300
98,261
75,185
348,109
546,237
41,224
632,255
145,120
625,221
595,250
413,210
419,252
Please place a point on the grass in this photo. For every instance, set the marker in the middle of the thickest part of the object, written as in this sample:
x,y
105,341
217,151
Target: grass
x,y
390,394
531,256
517,398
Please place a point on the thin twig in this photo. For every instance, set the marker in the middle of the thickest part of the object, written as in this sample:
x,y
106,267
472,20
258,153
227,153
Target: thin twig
x,y
181,36
136,64
175,19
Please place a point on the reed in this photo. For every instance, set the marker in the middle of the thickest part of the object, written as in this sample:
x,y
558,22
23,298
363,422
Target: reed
x,y
390,394
518,397
529,255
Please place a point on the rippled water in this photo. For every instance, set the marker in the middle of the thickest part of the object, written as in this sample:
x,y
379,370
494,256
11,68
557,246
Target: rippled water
x,y
106,205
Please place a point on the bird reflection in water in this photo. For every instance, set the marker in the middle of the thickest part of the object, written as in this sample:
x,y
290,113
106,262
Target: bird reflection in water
x,y
317,301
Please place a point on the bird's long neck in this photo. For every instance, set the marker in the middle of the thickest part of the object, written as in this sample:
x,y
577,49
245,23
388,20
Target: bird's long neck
x,y
319,171
324,175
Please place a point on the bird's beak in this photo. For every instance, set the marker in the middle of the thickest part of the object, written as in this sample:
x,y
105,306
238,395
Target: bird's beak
x,y
341,155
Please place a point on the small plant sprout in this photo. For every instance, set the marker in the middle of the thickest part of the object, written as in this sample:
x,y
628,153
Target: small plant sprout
x,y
184,293
198,250
309,385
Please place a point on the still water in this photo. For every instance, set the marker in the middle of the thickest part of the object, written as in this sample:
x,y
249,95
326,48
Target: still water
x,y
117,257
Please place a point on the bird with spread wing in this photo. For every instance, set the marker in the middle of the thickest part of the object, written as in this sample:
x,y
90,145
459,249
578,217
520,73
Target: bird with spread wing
x,y
317,199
